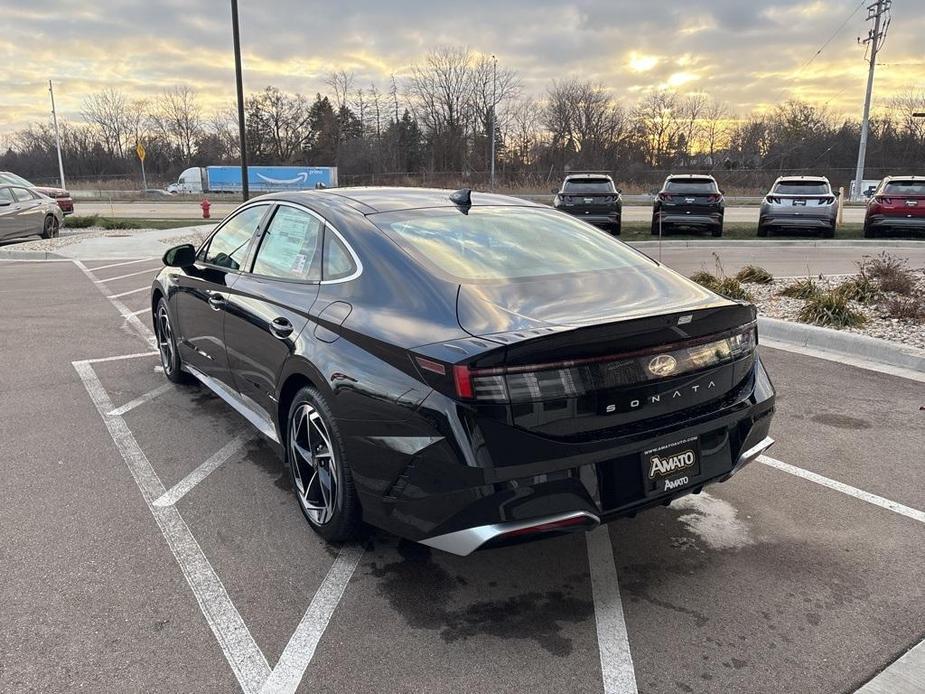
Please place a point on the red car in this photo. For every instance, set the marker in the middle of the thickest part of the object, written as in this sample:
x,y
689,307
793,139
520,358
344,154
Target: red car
x,y
898,204
60,196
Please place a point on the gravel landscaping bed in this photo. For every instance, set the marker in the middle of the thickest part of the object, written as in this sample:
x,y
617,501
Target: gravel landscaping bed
x,y
879,324
193,237
69,237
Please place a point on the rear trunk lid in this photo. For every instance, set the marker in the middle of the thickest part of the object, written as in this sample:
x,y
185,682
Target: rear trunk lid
x,y
579,357
900,205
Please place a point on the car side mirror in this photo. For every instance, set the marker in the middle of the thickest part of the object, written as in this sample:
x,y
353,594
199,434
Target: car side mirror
x,y
5,203
553,191
180,256
619,191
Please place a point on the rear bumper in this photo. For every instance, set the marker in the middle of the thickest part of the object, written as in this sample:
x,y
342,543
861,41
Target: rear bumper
x,y
692,218
480,483
803,221
595,217
882,221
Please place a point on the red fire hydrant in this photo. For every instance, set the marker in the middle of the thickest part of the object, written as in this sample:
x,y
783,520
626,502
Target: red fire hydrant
x,y
206,206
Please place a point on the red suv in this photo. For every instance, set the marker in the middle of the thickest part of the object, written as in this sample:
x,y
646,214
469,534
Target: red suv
x,y
898,204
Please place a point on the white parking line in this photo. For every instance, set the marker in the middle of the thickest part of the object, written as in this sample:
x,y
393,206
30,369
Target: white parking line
x,y
120,357
234,638
132,291
616,660
181,488
126,262
148,271
141,400
893,506
298,653
144,310
143,330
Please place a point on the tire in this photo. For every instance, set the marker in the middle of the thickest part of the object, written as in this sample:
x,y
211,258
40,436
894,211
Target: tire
x,y
615,229
315,452
718,230
827,233
51,228
654,228
868,232
167,345
762,232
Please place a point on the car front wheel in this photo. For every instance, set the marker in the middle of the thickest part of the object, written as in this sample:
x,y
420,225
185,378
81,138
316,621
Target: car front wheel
x,y
167,345
51,228
319,468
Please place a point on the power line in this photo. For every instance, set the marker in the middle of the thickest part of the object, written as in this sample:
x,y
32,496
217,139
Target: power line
x,y
832,37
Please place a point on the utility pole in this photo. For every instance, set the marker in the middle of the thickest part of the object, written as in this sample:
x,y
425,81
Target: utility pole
x,y
54,118
877,11
242,134
494,103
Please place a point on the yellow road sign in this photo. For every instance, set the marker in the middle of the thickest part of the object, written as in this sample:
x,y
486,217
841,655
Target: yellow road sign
x,y
140,151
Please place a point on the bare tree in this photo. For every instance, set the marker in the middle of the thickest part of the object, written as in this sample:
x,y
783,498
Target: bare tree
x,y
108,111
341,82
178,119
657,122
715,132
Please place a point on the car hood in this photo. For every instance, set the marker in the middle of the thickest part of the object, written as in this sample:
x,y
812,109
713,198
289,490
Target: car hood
x,y
582,299
52,192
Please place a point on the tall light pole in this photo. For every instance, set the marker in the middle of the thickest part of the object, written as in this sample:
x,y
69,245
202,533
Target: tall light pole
x,y
54,118
875,38
242,134
494,103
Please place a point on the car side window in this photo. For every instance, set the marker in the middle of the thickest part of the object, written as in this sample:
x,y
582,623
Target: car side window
x,y
22,195
6,195
290,246
228,247
338,263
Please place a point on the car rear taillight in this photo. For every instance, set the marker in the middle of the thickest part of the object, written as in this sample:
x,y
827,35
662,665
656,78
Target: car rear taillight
x,y
714,198
773,200
827,200
664,197
575,377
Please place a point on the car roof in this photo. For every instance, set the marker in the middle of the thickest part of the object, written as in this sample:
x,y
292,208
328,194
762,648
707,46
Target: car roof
x,y
904,178
820,179
588,174
681,177
370,200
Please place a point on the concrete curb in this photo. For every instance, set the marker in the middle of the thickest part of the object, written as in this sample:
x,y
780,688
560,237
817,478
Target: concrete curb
x,y
872,244
30,255
858,347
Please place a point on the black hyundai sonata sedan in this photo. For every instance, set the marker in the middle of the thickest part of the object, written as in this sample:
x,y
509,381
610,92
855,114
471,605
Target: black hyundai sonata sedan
x,y
462,369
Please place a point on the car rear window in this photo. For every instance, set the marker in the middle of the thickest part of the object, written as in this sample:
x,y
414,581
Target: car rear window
x,y
802,188
495,243
694,185
905,187
13,179
589,185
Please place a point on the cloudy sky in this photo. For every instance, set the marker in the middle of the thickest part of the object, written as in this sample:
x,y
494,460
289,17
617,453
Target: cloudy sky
x,y
748,53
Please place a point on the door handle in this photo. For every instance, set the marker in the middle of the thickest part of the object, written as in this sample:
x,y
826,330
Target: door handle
x,y
281,328
216,301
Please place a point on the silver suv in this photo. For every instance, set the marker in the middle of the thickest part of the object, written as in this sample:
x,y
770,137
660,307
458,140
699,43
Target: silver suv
x,y
799,202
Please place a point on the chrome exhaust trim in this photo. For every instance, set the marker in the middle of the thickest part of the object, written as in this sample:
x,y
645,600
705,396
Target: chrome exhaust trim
x,y
464,542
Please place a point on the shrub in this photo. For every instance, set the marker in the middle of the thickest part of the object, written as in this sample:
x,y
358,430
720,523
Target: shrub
x,y
80,222
706,279
905,307
890,271
860,288
801,289
755,275
113,224
831,309
732,288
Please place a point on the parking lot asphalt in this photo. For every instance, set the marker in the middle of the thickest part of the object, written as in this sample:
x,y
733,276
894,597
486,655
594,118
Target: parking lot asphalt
x,y
770,582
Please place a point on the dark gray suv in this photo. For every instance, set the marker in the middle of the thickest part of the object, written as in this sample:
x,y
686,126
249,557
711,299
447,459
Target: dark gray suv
x,y
592,197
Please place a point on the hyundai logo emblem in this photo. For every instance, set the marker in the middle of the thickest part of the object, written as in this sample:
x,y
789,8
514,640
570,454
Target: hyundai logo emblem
x,y
662,365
